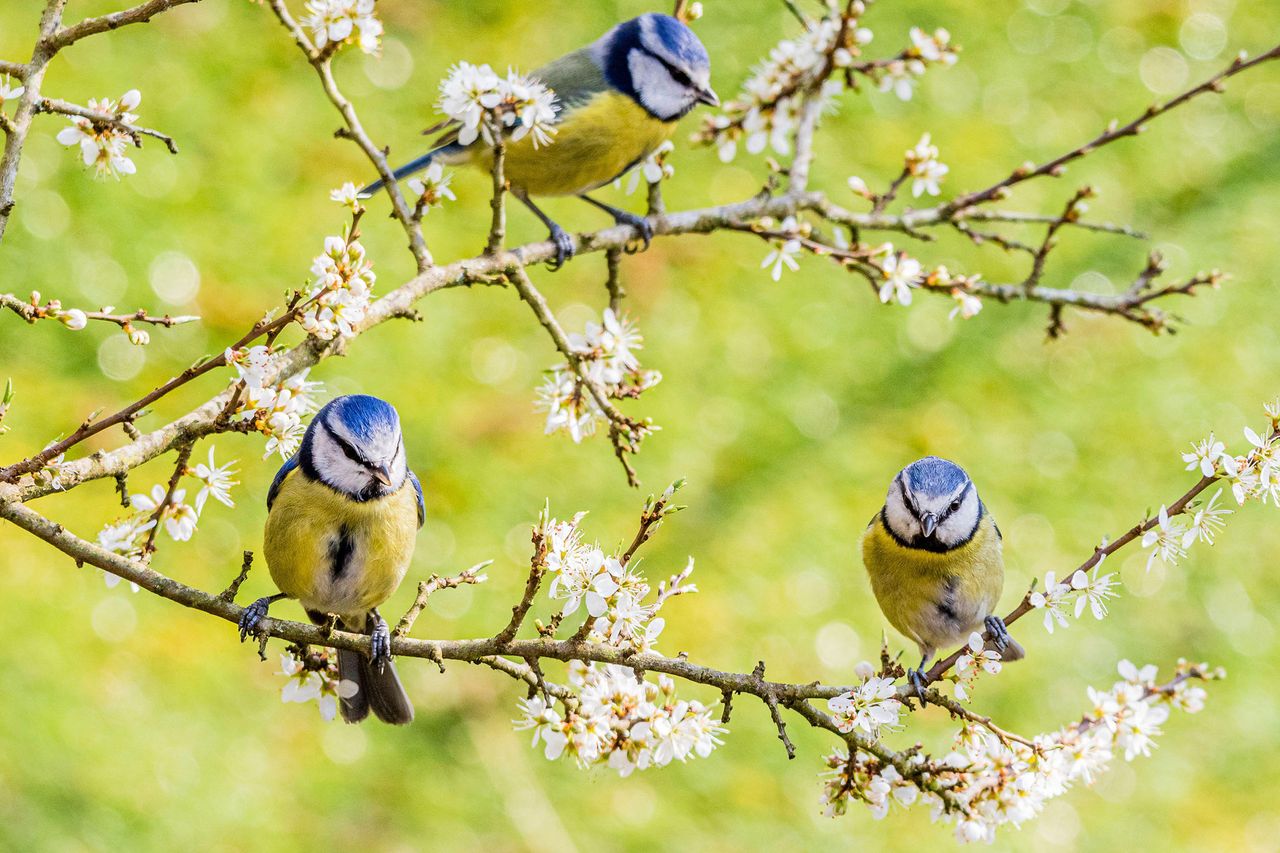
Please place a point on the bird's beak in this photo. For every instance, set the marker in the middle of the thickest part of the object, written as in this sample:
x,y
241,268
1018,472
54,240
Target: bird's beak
x,y
928,523
709,97
382,474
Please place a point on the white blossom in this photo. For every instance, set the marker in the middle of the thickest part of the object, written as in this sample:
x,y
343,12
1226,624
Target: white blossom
x,y
924,167
1092,591
314,679
1205,455
783,255
340,22
74,319
621,722
431,188
901,273
346,195
1207,521
868,707
1165,539
340,292
8,91
481,101
103,145
216,482
607,356
654,168
1052,599
178,517
967,305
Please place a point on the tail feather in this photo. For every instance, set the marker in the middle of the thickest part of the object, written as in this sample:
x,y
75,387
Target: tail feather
x,y
385,693
403,172
351,666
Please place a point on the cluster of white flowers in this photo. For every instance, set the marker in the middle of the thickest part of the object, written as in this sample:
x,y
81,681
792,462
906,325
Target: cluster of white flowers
x,y
901,75
431,188
870,706
339,295
179,518
340,22
996,782
621,721
485,103
925,168
768,108
1090,590
277,410
314,677
102,144
1254,475
612,592
654,168
607,352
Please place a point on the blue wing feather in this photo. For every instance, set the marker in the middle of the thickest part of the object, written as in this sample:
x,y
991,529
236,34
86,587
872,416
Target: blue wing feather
x,y
288,466
422,505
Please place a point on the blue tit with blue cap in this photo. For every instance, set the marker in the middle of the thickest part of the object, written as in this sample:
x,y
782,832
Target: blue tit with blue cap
x,y
933,553
619,99
342,516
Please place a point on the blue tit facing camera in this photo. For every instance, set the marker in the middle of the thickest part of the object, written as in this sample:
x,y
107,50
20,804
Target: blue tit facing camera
x,y
933,554
619,99
342,517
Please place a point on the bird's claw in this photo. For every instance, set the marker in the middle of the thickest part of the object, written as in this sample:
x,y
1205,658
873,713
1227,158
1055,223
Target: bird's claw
x,y
998,633
252,617
641,224
564,247
380,645
916,677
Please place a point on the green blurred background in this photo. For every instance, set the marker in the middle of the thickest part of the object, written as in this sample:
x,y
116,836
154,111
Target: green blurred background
x,y
128,722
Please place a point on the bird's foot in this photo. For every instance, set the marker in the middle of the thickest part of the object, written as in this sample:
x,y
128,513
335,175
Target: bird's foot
x,y
916,677
252,617
998,633
564,246
380,644
640,223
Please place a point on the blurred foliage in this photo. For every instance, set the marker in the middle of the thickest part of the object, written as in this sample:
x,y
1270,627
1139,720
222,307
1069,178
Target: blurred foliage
x,y
128,722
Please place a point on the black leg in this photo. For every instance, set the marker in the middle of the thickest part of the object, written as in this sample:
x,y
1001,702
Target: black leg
x,y
253,615
380,641
625,217
998,633
564,243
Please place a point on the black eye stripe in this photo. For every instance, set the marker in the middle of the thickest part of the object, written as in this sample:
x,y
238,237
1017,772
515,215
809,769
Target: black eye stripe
x,y
348,449
676,74
955,504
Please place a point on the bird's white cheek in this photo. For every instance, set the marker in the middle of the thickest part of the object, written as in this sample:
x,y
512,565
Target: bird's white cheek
x,y
661,95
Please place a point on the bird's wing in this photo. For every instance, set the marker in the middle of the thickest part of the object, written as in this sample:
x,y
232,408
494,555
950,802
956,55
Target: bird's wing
x,y
422,504
574,77
288,466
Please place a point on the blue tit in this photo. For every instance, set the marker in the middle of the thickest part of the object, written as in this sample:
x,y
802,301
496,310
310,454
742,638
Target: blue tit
x,y
934,558
619,98
342,516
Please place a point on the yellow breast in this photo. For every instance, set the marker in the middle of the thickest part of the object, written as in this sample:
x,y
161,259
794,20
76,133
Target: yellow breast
x,y
935,598
336,555
594,144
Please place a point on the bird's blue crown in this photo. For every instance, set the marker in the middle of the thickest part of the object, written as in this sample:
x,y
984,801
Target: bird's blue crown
x,y
934,476
361,414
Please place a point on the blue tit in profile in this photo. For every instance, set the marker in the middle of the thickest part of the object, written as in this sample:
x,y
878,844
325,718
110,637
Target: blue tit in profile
x,y
619,99
933,554
342,516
